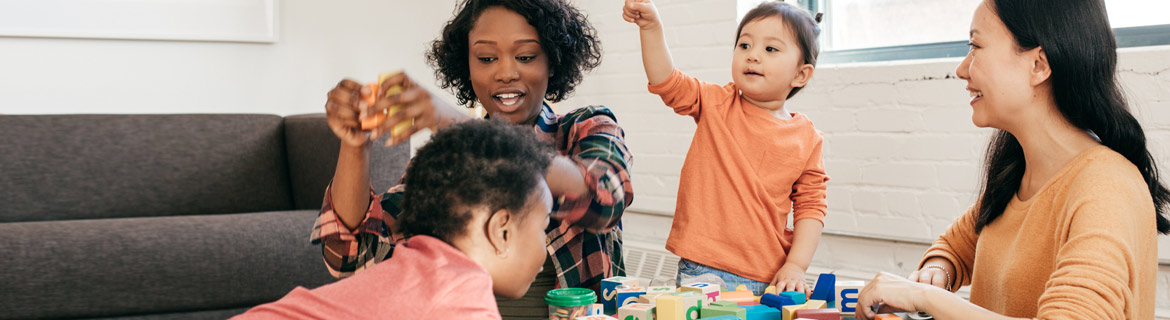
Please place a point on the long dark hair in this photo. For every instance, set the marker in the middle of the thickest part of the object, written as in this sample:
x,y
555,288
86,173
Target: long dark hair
x,y
1083,59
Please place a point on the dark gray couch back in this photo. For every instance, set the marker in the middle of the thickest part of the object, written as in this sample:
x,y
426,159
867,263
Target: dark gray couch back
x,y
312,153
108,166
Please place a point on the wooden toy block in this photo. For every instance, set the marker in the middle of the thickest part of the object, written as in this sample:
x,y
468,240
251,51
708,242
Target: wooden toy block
x,y
627,296
740,297
817,304
609,288
724,303
637,311
770,289
887,316
817,314
694,301
790,310
776,301
595,309
710,290
797,297
824,288
596,317
847,292
762,312
647,299
724,318
714,311
374,120
671,307
660,290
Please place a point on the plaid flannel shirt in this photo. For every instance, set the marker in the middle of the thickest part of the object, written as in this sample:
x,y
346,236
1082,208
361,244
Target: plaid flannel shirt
x,y
584,236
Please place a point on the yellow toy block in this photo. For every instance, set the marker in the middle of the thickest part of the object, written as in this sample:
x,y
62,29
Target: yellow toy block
x,y
790,310
671,307
710,290
816,304
770,289
846,292
694,301
637,311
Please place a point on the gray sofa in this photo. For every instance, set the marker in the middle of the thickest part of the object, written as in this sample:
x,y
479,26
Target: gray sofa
x,y
195,216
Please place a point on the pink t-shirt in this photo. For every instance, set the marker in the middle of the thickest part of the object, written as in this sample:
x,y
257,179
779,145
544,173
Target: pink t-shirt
x,y
426,278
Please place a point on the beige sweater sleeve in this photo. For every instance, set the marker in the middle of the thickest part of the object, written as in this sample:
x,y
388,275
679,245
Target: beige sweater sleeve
x,y
957,245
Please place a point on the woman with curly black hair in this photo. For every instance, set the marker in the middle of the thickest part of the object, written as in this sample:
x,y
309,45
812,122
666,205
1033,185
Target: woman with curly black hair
x,y
509,56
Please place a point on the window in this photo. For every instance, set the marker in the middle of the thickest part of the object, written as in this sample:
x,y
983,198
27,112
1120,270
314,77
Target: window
x,y
875,30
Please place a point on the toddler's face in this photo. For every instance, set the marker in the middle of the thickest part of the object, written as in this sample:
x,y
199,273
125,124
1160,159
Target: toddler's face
x,y
767,59
527,248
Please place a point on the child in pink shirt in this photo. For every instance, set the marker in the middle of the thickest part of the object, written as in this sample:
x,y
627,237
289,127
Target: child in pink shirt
x,y
474,214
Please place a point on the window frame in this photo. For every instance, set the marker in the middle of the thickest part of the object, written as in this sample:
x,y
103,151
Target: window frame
x,y
1128,37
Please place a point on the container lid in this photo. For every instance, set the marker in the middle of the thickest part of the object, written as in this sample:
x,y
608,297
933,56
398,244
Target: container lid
x,y
570,297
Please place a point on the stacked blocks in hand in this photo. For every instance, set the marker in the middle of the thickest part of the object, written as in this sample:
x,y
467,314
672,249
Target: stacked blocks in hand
x,y
846,296
637,311
374,120
609,290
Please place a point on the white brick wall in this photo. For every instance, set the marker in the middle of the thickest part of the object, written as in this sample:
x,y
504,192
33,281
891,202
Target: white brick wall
x,y
900,147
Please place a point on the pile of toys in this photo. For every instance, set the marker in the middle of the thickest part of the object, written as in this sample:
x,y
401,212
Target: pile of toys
x,y
625,299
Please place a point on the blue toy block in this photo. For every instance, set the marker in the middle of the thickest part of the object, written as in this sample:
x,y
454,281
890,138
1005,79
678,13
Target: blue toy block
x,y
762,312
776,301
727,317
797,297
825,288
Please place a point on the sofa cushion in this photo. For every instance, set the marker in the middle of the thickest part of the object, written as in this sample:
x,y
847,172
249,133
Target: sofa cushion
x,y
59,167
136,266
312,159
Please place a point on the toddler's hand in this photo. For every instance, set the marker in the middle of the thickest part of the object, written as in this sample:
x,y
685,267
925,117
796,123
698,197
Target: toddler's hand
x,y
790,278
641,12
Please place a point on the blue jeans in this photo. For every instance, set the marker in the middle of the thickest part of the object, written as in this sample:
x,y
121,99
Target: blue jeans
x,y
688,268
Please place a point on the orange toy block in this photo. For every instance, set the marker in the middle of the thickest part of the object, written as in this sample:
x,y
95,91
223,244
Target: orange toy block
x,y
374,120
741,296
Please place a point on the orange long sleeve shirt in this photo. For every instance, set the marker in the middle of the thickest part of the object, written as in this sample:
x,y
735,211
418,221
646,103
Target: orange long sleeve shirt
x,y
1083,247
745,171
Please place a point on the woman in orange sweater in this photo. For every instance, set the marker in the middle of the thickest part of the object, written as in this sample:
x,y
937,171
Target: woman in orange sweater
x,y
1067,224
